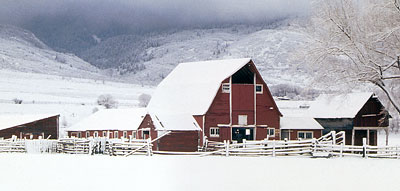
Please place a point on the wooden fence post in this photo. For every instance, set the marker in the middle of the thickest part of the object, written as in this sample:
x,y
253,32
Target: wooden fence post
x,y
148,147
273,148
314,145
365,147
341,149
227,148
333,133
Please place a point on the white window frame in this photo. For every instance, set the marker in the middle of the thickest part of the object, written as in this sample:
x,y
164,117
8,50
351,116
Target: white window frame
x,y
214,132
268,132
104,133
134,134
305,134
79,135
95,134
125,134
242,117
226,88
87,134
262,89
116,134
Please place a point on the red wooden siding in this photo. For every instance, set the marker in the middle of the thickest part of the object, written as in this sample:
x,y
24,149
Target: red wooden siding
x,y
183,141
372,115
46,127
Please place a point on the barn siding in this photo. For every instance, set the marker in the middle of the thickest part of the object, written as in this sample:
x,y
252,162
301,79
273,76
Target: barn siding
x,y
48,126
182,141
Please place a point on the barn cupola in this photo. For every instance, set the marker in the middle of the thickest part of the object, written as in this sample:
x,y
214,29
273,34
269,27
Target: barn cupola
x,y
244,76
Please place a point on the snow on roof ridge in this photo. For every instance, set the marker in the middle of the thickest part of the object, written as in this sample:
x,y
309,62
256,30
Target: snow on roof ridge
x,y
112,119
339,105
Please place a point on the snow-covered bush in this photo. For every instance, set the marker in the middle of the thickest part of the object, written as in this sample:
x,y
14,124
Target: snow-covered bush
x,y
144,100
107,101
17,101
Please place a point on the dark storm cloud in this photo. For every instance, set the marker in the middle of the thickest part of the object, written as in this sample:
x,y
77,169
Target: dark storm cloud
x,y
153,14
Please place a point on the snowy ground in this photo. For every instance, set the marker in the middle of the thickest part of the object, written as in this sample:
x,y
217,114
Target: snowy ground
x,y
73,98
83,172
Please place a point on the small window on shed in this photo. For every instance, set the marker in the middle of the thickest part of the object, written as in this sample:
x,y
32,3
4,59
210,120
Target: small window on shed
x,y
104,133
305,135
271,132
95,134
226,88
125,134
134,134
79,135
116,134
87,134
214,132
259,89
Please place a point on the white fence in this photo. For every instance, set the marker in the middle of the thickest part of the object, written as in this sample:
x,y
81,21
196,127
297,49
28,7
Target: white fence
x,y
332,144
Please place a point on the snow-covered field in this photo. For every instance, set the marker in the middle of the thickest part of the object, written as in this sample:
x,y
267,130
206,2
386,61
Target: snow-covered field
x,y
73,98
83,172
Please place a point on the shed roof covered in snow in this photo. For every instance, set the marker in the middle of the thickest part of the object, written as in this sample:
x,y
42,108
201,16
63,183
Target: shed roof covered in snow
x,y
8,121
339,106
299,123
189,90
112,119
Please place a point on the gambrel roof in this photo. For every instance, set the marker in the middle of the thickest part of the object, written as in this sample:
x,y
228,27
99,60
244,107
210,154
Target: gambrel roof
x,y
190,90
339,106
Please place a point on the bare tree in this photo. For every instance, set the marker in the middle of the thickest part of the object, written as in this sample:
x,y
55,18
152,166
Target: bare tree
x,y
107,101
357,41
144,100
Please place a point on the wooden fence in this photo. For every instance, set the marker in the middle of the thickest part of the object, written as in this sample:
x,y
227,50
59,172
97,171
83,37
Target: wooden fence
x,y
331,144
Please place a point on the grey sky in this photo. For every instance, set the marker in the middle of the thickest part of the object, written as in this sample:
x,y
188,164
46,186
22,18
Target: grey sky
x,y
154,13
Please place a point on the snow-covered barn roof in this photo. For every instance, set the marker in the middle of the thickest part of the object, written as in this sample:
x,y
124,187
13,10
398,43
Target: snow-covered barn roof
x,y
294,108
189,90
339,106
112,119
288,122
8,121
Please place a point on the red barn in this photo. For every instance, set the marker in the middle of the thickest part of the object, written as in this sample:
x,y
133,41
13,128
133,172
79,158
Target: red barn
x,y
360,115
219,99
29,126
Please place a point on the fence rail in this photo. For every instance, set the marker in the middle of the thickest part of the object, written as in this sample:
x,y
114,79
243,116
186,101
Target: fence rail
x,y
332,144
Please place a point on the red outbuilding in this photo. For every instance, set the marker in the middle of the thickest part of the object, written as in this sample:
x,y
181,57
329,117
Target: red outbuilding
x,y
29,126
218,100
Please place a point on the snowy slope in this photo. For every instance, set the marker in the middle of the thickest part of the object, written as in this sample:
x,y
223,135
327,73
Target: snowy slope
x,y
73,98
20,50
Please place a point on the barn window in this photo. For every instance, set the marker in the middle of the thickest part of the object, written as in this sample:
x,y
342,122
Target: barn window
x,y
226,88
87,134
116,134
271,132
134,134
259,89
244,76
95,134
79,135
104,133
214,132
242,119
305,134
125,134
145,134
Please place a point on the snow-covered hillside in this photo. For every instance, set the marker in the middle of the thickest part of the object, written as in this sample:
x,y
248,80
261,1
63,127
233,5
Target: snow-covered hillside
x,y
150,58
73,98
20,50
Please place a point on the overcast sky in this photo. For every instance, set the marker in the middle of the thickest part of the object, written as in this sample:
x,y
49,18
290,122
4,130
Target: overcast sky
x,y
154,13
